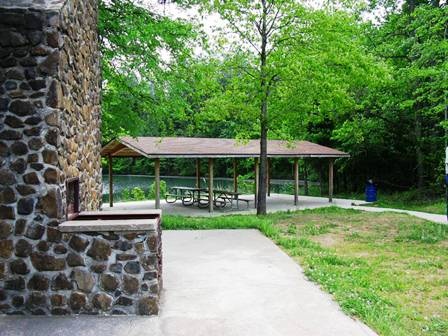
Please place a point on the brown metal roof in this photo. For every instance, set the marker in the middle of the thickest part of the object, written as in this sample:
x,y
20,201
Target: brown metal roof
x,y
168,147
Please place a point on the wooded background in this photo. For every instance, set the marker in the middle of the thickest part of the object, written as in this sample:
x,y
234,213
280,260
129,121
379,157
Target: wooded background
x,y
375,87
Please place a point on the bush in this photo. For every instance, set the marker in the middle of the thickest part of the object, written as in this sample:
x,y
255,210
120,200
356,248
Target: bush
x,y
126,195
137,194
152,190
244,185
134,194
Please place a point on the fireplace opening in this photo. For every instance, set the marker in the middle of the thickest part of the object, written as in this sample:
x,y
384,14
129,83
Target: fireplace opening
x,y
72,188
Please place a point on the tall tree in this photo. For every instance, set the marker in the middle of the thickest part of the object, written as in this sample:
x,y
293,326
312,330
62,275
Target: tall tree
x,y
261,25
311,78
414,42
144,56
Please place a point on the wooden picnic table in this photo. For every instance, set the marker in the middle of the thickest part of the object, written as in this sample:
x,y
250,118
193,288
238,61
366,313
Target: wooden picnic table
x,y
188,196
223,198
199,196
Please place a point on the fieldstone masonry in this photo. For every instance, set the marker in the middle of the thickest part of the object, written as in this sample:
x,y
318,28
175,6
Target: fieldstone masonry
x,y
49,107
49,132
84,273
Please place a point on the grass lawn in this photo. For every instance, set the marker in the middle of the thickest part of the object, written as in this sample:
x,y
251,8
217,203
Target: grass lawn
x,y
390,270
407,200
437,207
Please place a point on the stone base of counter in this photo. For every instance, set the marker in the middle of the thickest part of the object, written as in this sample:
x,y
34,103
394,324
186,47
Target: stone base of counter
x,y
94,273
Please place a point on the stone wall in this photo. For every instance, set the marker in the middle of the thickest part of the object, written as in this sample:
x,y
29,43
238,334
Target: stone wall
x,y
49,108
84,273
80,136
49,131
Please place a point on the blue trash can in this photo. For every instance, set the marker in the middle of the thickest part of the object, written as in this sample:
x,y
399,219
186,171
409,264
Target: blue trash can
x,y
371,192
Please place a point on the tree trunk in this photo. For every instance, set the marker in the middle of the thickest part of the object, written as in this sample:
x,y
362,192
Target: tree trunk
x,y
418,151
264,87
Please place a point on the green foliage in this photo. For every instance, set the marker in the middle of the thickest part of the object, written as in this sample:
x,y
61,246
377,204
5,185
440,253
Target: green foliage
x,y
401,121
142,54
132,194
426,200
137,194
152,190
430,233
126,195
245,183
377,91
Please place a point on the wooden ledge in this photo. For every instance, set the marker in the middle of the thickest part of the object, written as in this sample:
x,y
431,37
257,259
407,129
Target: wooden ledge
x,y
117,225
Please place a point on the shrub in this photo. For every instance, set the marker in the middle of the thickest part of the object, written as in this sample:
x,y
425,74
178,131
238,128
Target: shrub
x,y
152,190
126,194
137,194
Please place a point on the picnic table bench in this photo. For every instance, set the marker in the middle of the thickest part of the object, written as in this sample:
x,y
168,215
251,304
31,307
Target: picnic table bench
x,y
199,196
227,198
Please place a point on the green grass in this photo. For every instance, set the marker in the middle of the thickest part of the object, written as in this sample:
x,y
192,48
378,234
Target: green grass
x,y
435,206
425,201
390,270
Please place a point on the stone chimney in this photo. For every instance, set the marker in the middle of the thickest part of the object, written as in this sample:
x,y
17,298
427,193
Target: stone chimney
x,y
49,107
49,128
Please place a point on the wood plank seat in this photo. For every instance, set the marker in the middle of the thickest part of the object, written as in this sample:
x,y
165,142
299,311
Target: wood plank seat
x,y
247,201
229,198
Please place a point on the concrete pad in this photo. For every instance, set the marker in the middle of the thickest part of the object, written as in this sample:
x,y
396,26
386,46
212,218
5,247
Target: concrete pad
x,y
275,203
217,283
237,282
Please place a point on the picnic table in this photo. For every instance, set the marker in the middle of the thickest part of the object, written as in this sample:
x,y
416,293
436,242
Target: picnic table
x,y
199,197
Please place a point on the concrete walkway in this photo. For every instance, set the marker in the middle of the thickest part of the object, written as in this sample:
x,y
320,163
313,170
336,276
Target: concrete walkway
x,y
275,203
217,283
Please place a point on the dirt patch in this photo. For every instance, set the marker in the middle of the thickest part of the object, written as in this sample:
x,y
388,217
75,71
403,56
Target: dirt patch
x,y
328,239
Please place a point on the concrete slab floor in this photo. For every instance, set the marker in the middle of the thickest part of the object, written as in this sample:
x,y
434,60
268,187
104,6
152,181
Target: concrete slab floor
x,y
217,283
275,203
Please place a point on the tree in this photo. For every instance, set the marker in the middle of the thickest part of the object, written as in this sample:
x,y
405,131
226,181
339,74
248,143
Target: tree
x,y
311,67
263,25
414,42
144,56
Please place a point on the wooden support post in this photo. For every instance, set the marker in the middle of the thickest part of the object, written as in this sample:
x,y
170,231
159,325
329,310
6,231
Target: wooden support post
x,y
235,177
198,173
296,181
268,177
210,185
157,182
330,180
305,177
257,171
111,182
